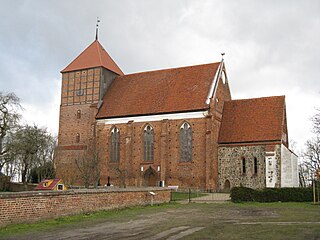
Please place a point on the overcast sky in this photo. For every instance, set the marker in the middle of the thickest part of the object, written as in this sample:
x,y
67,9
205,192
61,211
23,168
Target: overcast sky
x,y
272,47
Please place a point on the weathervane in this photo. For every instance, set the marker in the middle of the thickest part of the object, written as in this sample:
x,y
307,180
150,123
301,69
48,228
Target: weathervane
x,y
222,54
97,28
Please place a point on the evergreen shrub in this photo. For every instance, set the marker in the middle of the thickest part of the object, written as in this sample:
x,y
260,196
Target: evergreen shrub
x,y
243,194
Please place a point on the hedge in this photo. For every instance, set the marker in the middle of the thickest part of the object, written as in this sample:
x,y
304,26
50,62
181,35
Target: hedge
x,y
243,194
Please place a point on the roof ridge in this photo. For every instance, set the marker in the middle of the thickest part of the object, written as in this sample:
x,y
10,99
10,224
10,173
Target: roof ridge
x,y
98,48
249,99
167,69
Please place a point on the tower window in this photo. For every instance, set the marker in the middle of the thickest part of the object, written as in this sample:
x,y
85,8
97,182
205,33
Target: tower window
x,y
79,92
79,114
185,143
78,137
148,143
243,165
255,166
115,145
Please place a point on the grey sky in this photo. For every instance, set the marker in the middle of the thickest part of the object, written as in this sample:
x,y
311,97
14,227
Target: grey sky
x,y
272,47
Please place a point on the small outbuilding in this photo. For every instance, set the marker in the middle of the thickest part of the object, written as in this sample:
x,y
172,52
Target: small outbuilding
x,y
51,184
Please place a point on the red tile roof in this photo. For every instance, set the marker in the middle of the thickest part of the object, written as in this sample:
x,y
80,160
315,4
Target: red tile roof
x,y
93,56
163,91
248,120
50,187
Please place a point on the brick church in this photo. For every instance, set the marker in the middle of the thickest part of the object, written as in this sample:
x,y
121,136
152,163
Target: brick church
x,y
170,127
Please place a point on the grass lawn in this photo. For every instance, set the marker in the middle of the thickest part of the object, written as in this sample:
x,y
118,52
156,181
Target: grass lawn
x,y
177,196
189,221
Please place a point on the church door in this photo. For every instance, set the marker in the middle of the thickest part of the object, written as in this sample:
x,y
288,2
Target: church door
x,y
152,181
227,186
150,177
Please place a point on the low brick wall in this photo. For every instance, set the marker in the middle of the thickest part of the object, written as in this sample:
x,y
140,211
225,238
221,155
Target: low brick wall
x,y
37,205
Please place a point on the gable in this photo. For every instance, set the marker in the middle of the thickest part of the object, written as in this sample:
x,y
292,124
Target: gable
x,y
252,120
157,92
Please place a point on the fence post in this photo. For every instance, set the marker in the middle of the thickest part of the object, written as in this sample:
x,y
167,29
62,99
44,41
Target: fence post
x,y
314,191
189,195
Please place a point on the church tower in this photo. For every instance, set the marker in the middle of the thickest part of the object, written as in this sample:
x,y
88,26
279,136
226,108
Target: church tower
x,y
84,83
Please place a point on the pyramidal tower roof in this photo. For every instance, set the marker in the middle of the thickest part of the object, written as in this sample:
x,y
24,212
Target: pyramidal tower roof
x,y
93,56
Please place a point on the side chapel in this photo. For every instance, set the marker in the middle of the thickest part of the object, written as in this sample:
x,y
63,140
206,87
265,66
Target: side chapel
x,y
170,127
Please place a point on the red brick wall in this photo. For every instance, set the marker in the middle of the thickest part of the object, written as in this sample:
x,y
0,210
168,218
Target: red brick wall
x,y
172,170
33,206
93,82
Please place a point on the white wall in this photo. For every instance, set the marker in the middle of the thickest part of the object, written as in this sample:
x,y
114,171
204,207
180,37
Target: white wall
x,y
271,176
295,174
289,168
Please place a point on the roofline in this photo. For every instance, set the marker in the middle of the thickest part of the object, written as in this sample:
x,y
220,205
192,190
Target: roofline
x,y
250,142
214,84
98,66
246,99
63,70
165,69
156,117
96,40
152,114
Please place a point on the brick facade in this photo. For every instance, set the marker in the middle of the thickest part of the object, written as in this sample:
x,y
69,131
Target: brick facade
x,y
81,92
202,172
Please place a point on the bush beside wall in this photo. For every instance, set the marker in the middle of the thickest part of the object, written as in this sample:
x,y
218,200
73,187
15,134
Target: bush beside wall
x,y
243,194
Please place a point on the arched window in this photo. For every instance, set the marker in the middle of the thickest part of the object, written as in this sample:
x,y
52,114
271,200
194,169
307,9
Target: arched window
x,y
244,166
78,137
185,143
255,166
115,145
148,143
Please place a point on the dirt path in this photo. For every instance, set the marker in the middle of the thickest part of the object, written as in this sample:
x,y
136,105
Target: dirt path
x,y
188,221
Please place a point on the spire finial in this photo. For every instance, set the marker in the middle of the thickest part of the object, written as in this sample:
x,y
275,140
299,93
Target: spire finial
x,y
97,28
222,54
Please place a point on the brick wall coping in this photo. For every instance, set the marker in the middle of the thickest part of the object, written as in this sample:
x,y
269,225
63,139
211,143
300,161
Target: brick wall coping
x,y
80,191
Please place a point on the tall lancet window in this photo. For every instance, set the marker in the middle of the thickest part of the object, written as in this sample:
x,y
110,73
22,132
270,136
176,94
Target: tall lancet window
x,y
115,145
185,143
148,143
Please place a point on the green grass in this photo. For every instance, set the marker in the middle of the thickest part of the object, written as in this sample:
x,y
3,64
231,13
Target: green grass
x,y
80,219
177,196
286,221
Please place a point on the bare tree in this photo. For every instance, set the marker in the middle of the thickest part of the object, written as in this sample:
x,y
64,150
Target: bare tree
x,y
316,123
29,147
88,165
122,173
311,155
44,167
9,117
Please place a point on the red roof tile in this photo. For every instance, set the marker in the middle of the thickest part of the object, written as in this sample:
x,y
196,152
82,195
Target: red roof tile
x,y
248,120
163,91
50,187
93,56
